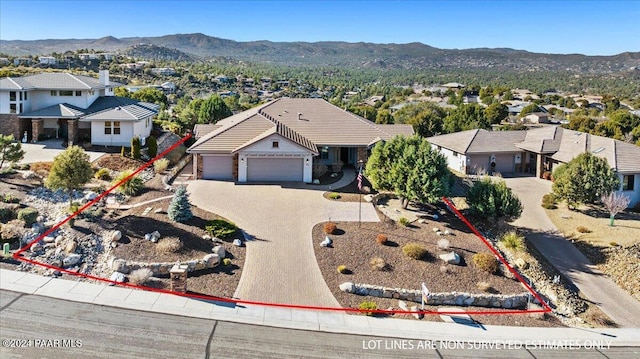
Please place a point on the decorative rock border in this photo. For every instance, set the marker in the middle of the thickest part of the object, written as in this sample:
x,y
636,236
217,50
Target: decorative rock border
x,y
450,298
163,268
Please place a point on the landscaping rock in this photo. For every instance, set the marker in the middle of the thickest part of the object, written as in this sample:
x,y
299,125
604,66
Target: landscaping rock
x,y
327,242
116,236
40,219
368,197
316,181
71,247
403,305
71,260
28,175
521,263
237,242
90,196
414,310
36,247
206,237
451,258
58,240
156,234
422,221
159,211
211,260
119,265
48,239
148,237
220,251
348,287
117,277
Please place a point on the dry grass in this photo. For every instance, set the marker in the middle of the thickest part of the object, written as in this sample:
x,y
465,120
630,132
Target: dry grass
x,y
140,276
378,263
485,287
330,228
625,230
169,245
381,238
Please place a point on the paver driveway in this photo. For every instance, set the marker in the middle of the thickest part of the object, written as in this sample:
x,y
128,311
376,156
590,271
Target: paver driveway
x,y
280,265
614,301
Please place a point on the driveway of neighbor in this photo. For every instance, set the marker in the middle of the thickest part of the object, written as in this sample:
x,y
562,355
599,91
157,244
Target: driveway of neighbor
x,y
280,266
620,306
45,151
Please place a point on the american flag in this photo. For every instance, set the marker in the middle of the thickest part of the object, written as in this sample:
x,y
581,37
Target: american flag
x,y
360,180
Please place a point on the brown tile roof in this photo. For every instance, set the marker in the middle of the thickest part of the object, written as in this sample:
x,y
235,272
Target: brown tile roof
x,y
233,135
285,132
201,129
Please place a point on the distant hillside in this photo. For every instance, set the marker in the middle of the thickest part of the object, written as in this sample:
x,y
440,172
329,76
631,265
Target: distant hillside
x,y
333,53
153,52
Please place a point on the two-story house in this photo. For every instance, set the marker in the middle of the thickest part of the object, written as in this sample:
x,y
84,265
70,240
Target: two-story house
x,y
74,107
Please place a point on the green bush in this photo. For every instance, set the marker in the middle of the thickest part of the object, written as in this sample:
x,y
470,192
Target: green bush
x,y
123,151
583,229
161,165
513,242
7,213
492,200
135,147
28,215
549,201
334,195
403,221
415,250
75,206
103,174
8,198
487,262
132,186
152,146
367,307
220,228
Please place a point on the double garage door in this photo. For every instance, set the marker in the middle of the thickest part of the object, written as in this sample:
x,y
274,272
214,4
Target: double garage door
x,y
274,169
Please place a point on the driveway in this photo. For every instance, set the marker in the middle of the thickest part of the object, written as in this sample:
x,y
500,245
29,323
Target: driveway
x,y
280,266
45,151
597,287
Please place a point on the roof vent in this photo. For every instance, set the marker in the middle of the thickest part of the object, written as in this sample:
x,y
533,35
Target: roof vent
x,y
299,115
598,150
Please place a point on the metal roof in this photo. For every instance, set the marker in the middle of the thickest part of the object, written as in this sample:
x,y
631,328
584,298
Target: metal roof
x,y
51,81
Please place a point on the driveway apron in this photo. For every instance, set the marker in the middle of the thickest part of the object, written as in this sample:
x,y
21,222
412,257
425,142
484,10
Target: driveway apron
x,y
280,265
620,306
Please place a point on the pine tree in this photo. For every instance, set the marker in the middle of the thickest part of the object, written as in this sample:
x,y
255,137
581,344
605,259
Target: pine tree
x,y
152,147
180,207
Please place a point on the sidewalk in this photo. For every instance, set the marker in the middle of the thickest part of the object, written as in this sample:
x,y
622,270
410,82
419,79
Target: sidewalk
x,y
334,322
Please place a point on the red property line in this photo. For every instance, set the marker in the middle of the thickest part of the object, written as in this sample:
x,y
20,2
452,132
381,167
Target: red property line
x,y
17,255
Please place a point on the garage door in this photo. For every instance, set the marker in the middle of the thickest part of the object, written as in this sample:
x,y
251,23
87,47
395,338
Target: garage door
x,y
274,169
217,167
504,163
478,162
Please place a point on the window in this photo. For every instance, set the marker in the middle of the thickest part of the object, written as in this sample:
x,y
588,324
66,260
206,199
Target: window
x,y
324,153
12,95
66,93
627,182
91,93
54,93
275,144
116,127
21,109
25,96
455,154
107,128
78,93
12,108
20,96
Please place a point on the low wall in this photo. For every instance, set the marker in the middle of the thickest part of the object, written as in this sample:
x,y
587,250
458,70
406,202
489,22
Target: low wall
x,y
451,298
163,268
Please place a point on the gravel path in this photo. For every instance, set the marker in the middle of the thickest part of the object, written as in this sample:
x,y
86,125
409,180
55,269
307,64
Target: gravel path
x,y
280,266
611,299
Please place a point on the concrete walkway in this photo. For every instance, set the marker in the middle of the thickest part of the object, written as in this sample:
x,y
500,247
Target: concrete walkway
x,y
280,266
597,287
46,151
324,321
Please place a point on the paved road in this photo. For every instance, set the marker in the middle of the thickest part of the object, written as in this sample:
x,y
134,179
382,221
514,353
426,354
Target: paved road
x,y
105,332
280,266
614,301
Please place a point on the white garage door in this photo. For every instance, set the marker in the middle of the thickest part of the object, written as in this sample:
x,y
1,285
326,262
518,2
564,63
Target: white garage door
x,y
274,169
504,163
217,167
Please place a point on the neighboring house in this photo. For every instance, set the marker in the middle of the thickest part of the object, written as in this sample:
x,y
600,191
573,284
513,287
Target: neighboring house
x,y
453,85
48,60
536,117
166,71
283,139
22,61
4,61
537,151
53,105
88,56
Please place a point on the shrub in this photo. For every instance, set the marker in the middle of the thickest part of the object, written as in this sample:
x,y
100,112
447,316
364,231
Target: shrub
x,y
330,228
342,269
489,199
220,228
379,264
13,230
485,287
443,244
8,198
140,276
549,206
28,215
415,251
382,238
132,186
513,241
334,195
226,262
583,229
73,208
135,147
41,166
103,174
367,306
169,245
180,208
161,165
152,146
6,213
549,201
613,244
486,262
319,170
546,175
123,151
403,221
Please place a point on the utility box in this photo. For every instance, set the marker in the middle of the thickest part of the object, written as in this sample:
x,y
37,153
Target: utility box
x,y
178,275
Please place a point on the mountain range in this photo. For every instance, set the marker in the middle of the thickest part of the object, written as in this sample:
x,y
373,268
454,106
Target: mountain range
x,y
193,47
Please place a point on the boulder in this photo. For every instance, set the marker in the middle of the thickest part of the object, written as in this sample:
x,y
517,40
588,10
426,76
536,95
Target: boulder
x,y
36,247
28,175
90,196
348,287
220,251
40,219
71,260
521,263
403,305
158,210
211,260
327,242
206,237
117,277
156,234
368,198
148,237
414,312
119,265
451,258
237,242
422,221
49,239
58,240
71,247
116,236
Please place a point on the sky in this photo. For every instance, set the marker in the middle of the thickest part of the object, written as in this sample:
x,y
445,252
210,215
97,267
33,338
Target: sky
x,y
561,27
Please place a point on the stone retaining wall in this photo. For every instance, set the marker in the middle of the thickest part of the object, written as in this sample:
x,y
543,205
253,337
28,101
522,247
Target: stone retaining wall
x,y
163,268
451,298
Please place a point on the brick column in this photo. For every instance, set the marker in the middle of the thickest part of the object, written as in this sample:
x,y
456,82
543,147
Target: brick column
x,y
235,167
362,155
37,129
178,276
72,129
198,172
11,124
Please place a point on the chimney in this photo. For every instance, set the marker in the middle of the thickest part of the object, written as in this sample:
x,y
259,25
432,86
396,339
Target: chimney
x,y
103,77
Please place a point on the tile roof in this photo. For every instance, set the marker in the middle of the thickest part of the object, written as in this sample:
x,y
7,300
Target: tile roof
x,y
496,141
201,129
285,132
307,122
63,110
102,109
51,81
